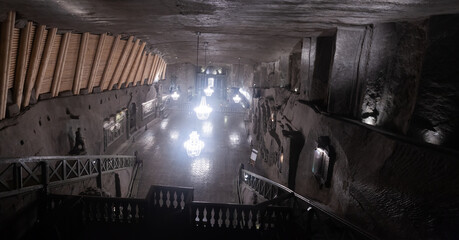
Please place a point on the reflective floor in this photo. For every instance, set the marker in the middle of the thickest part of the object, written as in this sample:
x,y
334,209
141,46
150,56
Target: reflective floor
x,y
213,173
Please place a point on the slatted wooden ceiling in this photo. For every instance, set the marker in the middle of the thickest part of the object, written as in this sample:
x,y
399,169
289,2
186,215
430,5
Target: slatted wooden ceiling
x,y
34,57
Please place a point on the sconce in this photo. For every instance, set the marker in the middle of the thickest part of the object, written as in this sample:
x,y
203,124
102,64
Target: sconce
x,y
321,164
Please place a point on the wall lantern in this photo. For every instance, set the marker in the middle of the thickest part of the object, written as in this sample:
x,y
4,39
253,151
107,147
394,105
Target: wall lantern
x,y
321,164
175,96
193,145
236,98
203,110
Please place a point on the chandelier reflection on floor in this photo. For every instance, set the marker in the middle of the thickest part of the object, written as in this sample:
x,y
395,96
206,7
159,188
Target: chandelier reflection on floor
x,y
175,96
208,91
203,110
193,145
236,98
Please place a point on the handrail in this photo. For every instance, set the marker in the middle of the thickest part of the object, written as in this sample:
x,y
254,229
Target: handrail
x,y
244,176
19,175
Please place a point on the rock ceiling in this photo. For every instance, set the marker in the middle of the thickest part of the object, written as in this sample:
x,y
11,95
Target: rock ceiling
x,y
254,31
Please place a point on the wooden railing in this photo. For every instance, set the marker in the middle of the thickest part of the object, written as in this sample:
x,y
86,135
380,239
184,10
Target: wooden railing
x,y
311,218
19,175
215,108
101,209
238,217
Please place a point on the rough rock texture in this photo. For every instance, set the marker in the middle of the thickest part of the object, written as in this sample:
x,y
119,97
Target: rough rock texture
x,y
389,185
436,116
48,127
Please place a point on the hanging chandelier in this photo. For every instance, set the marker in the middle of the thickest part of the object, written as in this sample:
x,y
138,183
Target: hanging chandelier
x,y
193,145
236,98
175,96
208,91
203,110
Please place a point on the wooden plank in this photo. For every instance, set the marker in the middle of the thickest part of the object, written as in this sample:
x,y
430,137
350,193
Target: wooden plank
x,y
60,64
148,66
70,63
21,65
93,41
34,64
138,76
153,69
45,59
105,82
5,51
95,65
159,74
128,66
80,61
136,65
122,61
103,60
164,71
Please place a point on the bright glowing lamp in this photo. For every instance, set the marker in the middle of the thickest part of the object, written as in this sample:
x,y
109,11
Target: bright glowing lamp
x,y
236,98
193,145
203,110
175,96
208,91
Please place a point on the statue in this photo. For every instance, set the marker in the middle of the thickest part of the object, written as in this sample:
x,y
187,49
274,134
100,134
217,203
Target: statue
x,y
79,147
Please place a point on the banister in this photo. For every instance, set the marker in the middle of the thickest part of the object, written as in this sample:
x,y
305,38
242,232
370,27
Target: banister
x,y
309,202
43,171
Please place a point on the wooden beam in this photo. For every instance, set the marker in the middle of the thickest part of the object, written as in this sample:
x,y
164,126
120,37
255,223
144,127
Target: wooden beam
x,y
80,63
105,82
154,66
135,65
128,66
164,70
157,69
121,62
34,64
140,69
21,64
60,64
5,52
45,59
147,68
95,65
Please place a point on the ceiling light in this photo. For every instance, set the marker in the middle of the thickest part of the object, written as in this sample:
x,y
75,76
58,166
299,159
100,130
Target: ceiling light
x,y
193,145
203,110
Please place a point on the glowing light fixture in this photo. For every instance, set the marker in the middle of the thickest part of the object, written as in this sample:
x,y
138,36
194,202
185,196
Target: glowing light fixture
x,y
203,110
207,127
236,98
208,91
193,145
175,96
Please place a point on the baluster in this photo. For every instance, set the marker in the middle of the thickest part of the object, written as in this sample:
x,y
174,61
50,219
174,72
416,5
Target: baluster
x,y
98,211
129,212
106,211
168,202
91,211
242,221
258,221
250,222
204,219
273,219
175,203
117,211
197,217
266,220
212,217
121,211
227,220
235,219
220,218
182,202
84,212
136,213
112,207
161,202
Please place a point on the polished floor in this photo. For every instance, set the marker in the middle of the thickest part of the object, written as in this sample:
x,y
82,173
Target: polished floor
x,y
213,173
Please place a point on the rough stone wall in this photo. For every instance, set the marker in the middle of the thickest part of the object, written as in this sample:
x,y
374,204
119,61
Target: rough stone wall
x,y
436,116
182,76
390,187
48,127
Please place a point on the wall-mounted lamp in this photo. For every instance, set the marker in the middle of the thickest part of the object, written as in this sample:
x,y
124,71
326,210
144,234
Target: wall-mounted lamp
x,y
322,166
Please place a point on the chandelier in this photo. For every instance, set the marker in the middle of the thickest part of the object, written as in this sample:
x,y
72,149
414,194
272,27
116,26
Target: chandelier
x,y
236,98
208,91
193,145
175,96
203,110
